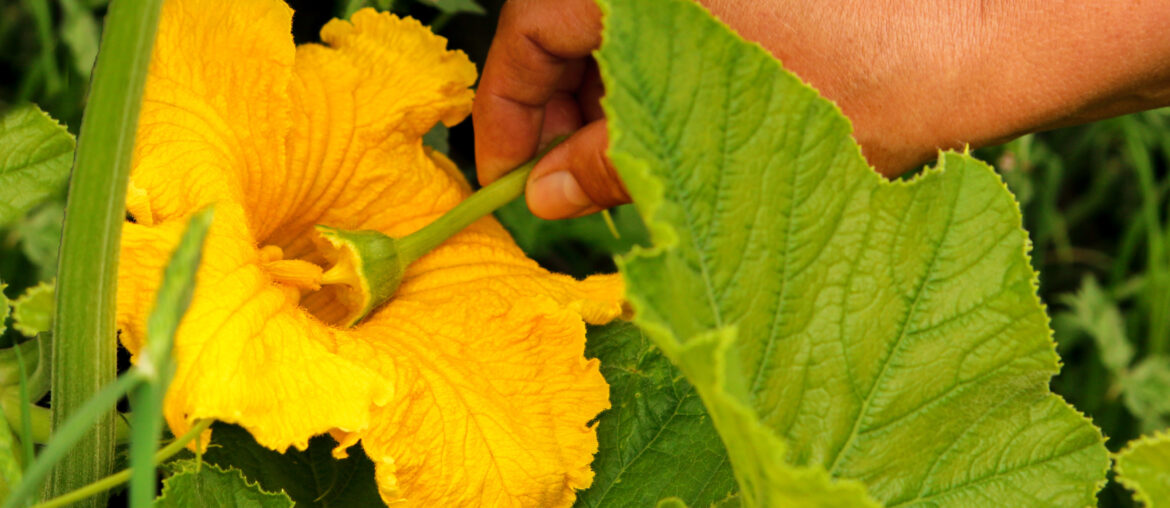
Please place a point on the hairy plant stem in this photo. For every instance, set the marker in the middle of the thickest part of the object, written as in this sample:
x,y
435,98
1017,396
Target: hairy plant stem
x,y
480,203
84,329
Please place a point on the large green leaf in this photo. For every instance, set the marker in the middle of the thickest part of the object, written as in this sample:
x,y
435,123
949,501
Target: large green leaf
x,y
657,440
1144,467
849,335
207,485
311,477
35,153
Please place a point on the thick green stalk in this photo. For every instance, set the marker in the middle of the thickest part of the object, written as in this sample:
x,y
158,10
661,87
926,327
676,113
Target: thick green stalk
x,y
84,330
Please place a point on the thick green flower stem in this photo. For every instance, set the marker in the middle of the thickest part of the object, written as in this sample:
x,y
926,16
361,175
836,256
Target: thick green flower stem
x,y
481,203
84,329
371,264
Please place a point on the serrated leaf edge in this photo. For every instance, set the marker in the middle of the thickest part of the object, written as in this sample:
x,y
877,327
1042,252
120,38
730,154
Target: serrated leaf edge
x,y
192,466
638,174
1139,494
17,304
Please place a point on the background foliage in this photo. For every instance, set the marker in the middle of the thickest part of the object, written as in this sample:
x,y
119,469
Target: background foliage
x,y
1094,199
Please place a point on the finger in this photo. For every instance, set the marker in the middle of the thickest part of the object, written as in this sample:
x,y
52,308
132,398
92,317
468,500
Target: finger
x,y
528,59
562,113
590,93
562,116
576,177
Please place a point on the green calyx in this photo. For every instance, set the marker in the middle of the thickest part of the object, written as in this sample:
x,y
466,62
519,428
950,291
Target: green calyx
x,y
368,266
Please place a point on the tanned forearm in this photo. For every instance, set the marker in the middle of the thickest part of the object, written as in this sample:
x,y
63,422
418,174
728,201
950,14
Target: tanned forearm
x,y
918,75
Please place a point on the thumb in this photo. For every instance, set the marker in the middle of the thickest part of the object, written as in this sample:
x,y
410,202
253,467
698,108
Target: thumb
x,y
576,178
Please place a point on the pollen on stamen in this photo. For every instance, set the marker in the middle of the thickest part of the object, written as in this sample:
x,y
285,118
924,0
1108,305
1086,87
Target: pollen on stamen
x,y
292,272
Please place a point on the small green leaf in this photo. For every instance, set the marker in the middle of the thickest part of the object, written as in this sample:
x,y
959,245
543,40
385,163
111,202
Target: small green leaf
x,y
1146,392
455,6
207,485
35,154
855,340
656,440
1097,315
311,477
32,313
1144,467
36,354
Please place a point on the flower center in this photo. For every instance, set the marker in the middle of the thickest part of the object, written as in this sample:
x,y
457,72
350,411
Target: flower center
x,y
367,266
322,293
294,273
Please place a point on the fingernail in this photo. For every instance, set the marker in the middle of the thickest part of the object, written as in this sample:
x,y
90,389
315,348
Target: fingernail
x,y
557,195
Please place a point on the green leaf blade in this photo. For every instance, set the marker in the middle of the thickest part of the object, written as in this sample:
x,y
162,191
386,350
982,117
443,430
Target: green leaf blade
x,y
37,152
839,327
207,485
312,477
1144,468
156,361
657,440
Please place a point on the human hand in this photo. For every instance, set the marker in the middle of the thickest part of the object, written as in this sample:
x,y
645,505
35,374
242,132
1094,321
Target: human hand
x,y
540,82
913,77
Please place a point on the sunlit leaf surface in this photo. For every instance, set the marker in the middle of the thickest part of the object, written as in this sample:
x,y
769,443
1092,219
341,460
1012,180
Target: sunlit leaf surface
x,y
207,485
35,161
852,337
1144,468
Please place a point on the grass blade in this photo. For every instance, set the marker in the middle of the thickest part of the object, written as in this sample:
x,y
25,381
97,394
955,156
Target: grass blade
x,y
156,363
69,435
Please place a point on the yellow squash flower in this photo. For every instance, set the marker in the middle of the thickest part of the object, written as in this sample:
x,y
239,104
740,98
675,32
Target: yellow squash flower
x,y
470,387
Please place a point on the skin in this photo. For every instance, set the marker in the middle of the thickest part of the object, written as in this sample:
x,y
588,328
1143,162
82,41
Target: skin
x,y
914,76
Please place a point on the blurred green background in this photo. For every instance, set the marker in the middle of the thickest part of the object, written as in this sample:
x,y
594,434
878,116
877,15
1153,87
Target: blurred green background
x,y
1093,198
